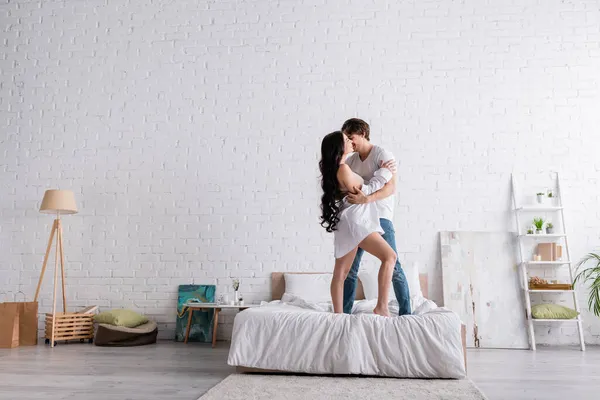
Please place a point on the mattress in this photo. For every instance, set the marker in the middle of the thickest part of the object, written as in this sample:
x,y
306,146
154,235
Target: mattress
x,y
293,335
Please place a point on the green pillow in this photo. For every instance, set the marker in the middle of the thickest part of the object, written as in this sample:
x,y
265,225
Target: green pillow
x,y
552,311
121,317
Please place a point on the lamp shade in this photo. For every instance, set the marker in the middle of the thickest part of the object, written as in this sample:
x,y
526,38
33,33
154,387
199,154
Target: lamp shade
x,y
58,201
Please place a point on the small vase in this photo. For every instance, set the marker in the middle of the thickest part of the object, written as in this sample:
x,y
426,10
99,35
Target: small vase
x,y
235,297
540,198
538,231
550,230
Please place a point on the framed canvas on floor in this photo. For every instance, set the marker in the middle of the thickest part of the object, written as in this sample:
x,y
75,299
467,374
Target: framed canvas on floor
x,y
481,283
201,327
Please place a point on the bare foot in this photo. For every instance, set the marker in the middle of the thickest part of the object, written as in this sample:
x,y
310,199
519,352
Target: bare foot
x,y
384,312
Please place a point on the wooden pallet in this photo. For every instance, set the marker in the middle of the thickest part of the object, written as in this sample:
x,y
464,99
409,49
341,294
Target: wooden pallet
x,y
69,326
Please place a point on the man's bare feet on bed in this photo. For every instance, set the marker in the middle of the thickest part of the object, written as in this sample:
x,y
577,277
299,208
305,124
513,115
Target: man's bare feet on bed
x,y
384,312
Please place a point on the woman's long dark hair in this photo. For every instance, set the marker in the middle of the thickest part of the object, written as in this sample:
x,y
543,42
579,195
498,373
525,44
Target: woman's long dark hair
x,y
332,150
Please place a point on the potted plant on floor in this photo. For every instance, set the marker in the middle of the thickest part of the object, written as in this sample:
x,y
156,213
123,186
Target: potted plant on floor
x,y
549,228
591,275
540,198
539,225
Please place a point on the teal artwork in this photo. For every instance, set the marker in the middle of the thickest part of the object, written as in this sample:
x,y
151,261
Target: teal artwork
x,y
201,328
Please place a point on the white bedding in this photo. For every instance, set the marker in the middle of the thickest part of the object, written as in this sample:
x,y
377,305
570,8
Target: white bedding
x,y
298,336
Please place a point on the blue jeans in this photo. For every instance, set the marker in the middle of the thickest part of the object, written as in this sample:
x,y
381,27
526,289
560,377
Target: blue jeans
x,y
399,281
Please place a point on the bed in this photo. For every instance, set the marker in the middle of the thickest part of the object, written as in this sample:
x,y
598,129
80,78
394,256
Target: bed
x,y
292,336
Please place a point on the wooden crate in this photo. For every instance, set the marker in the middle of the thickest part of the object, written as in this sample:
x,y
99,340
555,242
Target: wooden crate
x,y
551,286
69,326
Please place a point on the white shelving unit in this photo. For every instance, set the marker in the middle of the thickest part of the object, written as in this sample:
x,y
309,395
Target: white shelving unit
x,y
546,262
525,264
540,208
544,235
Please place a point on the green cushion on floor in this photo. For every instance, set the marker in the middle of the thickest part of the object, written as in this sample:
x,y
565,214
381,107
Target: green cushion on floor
x,y
121,317
552,311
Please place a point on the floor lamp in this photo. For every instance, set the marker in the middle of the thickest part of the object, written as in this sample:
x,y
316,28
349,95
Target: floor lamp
x,y
59,202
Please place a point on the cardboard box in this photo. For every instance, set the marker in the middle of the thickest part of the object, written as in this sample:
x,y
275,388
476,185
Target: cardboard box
x,y
546,251
558,253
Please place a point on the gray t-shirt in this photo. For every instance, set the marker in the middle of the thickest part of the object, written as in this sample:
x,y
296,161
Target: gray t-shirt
x,y
367,168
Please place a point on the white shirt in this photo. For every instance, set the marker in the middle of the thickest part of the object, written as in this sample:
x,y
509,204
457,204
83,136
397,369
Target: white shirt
x,y
366,169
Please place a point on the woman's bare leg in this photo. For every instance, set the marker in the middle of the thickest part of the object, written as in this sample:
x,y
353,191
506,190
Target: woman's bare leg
x,y
340,271
377,246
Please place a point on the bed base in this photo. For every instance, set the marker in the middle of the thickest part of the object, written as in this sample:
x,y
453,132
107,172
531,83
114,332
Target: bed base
x,y
248,370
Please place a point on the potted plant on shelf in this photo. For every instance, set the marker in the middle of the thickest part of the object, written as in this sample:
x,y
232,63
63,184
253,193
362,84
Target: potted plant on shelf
x,y
551,197
549,228
540,198
591,275
539,225
530,231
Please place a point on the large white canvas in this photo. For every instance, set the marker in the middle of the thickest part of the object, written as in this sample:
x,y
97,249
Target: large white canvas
x,y
480,272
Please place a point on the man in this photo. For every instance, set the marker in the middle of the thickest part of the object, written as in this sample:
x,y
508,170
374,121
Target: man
x,y
367,159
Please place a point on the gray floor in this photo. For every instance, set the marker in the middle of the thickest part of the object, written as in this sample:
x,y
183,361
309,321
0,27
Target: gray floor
x,y
177,371
550,373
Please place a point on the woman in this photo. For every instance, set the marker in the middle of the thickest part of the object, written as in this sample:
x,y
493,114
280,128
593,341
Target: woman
x,y
353,225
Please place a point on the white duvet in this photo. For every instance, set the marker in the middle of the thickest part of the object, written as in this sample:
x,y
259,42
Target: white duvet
x,y
298,336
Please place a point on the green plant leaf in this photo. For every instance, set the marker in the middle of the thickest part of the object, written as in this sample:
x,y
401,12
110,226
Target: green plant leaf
x,y
590,275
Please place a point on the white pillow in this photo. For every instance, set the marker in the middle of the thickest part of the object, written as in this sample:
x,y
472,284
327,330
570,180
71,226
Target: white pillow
x,y
368,278
310,287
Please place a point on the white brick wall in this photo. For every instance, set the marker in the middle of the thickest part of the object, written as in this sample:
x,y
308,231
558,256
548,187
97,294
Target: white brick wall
x,y
190,132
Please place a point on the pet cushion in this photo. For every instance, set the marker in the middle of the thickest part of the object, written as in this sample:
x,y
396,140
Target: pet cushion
x,y
121,317
552,311
120,336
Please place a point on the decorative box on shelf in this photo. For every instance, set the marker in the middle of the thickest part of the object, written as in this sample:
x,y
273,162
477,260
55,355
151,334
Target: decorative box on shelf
x,y
550,286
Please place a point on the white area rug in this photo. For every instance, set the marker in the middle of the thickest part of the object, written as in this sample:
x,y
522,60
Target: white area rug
x,y
289,387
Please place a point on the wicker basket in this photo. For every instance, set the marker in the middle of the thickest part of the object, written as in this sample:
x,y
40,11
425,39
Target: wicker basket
x,y
69,326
